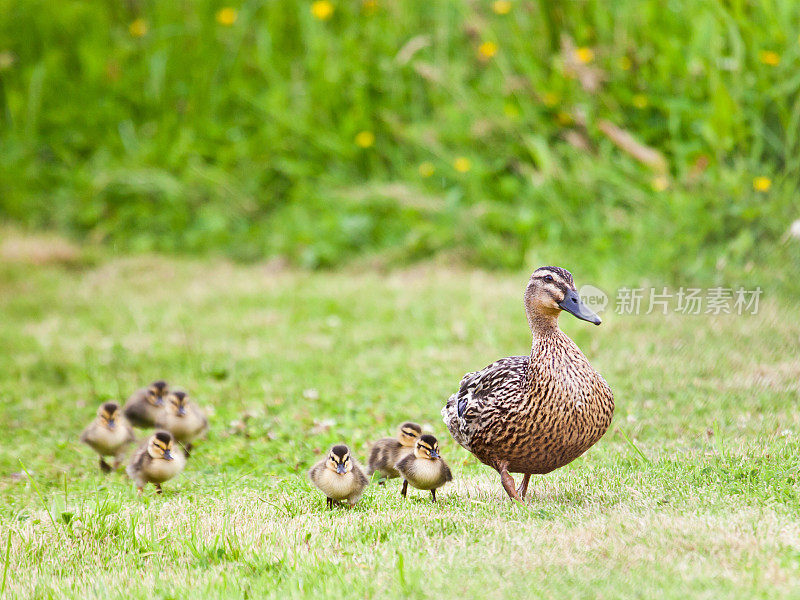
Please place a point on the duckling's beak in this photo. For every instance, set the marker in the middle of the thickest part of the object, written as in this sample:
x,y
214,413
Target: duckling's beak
x,y
181,411
168,455
111,423
340,469
159,400
573,305
434,454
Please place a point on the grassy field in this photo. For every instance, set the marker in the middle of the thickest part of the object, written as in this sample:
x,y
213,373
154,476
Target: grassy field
x,y
327,131
703,501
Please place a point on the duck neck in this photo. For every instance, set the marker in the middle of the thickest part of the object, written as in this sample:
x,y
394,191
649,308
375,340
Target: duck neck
x,y
543,326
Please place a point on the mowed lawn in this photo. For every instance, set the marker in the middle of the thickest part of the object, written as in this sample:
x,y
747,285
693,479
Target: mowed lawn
x,y
703,501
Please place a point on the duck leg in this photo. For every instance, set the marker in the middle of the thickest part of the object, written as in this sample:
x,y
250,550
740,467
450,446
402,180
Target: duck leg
x,y
158,489
522,490
104,466
330,503
405,488
508,481
433,495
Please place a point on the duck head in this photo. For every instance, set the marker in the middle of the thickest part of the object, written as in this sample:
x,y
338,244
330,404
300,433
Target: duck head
x,y
339,460
551,290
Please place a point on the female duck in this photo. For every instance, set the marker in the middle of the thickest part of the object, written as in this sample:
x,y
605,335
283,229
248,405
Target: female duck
x,y
534,414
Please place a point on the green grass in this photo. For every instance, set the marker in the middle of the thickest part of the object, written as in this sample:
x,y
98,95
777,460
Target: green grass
x,y
201,138
692,492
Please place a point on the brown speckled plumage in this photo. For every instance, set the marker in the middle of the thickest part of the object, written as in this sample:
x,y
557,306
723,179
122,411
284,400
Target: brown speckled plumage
x,y
533,414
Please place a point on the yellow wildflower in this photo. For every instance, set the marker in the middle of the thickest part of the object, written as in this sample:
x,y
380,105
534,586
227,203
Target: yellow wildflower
x,y
365,139
550,99
138,28
639,100
462,164
501,7
487,50
659,183
426,169
584,54
6,60
762,184
322,10
564,118
227,16
768,57
625,63
369,7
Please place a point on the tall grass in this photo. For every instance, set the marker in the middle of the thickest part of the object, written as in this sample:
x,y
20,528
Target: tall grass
x,y
172,126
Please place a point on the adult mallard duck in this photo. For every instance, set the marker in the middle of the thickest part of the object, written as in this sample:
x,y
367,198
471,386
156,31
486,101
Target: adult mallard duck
x,y
533,414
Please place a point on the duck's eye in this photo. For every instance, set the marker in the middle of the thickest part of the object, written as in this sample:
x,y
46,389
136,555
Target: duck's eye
x,y
548,278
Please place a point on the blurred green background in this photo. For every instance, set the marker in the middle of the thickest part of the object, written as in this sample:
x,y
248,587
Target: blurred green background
x,y
652,137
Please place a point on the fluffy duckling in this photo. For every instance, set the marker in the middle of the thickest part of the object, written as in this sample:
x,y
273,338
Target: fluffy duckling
x,y
339,477
146,405
183,419
386,452
108,435
154,461
424,468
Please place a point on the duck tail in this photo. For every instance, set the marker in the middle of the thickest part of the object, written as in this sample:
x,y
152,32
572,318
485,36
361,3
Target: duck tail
x,y
453,421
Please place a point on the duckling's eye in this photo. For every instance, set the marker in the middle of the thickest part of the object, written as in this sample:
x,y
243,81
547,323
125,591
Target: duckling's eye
x,y
548,278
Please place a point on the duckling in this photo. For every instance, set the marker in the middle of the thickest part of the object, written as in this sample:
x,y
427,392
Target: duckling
x,y
108,435
146,405
425,468
387,451
183,419
533,414
339,477
156,461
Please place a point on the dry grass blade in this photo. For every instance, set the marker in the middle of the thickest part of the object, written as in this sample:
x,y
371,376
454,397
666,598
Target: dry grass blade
x,y
625,141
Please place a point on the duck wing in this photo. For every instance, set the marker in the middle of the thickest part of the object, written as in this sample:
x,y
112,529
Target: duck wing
x,y
139,461
501,380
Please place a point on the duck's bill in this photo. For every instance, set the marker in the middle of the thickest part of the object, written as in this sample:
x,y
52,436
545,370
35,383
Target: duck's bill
x,y
573,305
